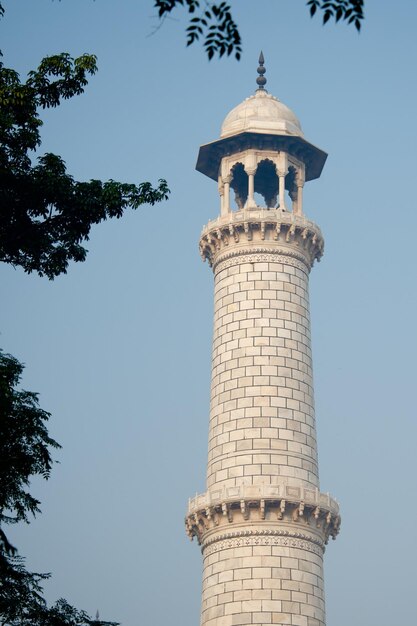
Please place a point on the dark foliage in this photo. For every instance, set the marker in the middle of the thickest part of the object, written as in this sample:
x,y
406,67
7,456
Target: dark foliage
x,y
350,11
213,22
25,452
24,445
45,215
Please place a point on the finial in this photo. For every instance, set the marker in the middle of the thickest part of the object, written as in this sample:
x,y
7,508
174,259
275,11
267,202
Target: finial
x,y
261,80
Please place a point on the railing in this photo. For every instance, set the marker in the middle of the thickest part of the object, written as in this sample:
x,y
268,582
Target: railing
x,y
283,217
266,492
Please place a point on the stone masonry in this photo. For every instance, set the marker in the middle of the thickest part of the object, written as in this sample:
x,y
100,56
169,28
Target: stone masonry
x,y
263,522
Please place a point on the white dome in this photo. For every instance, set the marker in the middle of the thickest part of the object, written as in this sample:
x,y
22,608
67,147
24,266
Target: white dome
x,y
261,113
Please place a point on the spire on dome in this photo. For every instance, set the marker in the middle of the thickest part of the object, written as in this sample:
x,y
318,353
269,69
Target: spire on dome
x,y
261,80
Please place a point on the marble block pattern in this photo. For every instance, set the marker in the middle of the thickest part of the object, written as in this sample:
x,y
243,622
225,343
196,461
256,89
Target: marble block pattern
x,y
262,409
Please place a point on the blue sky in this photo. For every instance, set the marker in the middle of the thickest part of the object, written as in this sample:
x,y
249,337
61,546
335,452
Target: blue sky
x,y
119,349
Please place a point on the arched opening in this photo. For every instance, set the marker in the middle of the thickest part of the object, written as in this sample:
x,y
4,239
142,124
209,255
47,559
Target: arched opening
x,y
266,183
239,184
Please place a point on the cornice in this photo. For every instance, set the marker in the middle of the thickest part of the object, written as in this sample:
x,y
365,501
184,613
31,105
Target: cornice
x,y
295,507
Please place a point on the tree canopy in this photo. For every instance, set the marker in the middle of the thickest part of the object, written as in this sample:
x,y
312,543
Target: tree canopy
x,y
46,215
214,24
25,452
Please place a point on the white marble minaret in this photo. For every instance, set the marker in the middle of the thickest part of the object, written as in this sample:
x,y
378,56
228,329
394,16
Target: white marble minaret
x,y
263,522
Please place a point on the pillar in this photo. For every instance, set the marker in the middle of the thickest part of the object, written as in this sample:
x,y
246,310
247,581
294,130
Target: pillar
x,y
262,522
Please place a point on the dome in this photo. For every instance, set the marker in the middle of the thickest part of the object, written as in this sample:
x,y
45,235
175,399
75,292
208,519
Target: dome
x,y
261,113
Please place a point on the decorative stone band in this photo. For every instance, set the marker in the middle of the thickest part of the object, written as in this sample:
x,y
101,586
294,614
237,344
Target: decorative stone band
x,y
263,537
294,509
259,254
263,231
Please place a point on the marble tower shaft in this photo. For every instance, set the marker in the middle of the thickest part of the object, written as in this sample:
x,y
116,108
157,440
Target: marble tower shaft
x,y
262,523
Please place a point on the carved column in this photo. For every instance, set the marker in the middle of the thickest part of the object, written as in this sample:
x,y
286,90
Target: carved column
x,y
223,210
250,202
226,194
300,184
281,176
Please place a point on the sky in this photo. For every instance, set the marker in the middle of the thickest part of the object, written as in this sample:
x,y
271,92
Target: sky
x,y
119,348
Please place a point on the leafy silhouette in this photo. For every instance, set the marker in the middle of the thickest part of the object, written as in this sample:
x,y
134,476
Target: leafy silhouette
x,y
214,23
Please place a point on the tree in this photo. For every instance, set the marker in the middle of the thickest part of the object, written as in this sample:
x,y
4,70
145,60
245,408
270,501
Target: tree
x,y
214,23
45,214
45,217
25,452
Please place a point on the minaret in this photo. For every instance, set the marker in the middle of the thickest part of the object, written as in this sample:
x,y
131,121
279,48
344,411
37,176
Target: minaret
x,y
263,522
